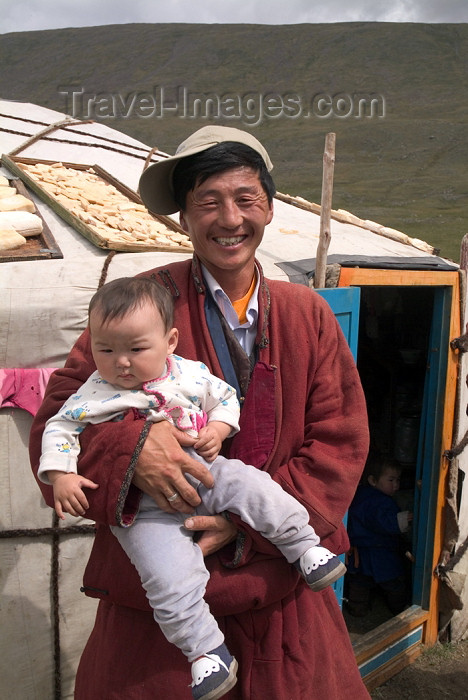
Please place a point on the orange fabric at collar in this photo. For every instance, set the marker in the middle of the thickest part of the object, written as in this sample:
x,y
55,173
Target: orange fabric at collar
x,y
240,305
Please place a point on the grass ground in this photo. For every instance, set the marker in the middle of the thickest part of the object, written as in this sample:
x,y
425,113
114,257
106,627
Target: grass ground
x,y
440,672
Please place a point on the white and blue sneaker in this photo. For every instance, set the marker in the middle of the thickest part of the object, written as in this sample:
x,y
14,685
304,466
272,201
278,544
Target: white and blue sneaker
x,y
320,567
213,674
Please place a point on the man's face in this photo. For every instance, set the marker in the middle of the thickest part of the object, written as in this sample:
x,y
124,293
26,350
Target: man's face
x,y
225,217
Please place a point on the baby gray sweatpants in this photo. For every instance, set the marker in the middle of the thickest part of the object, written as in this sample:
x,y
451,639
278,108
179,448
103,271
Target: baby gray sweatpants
x,y
171,565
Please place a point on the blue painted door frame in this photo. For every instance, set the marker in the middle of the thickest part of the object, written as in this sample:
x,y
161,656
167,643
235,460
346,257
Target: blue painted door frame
x,y
430,445
344,302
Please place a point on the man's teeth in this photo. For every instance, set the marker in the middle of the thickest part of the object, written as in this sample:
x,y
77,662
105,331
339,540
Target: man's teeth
x,y
229,241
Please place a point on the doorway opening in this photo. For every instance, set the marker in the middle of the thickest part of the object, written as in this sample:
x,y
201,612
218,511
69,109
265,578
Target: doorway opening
x,y
401,331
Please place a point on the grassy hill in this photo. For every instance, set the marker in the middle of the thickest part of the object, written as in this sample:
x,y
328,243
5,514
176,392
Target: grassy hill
x,y
404,165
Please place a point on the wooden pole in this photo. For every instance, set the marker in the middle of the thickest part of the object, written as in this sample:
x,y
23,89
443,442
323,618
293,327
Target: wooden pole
x,y
52,127
464,253
326,205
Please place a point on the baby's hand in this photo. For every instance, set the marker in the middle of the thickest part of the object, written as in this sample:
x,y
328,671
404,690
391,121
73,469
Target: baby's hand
x,y
69,496
208,443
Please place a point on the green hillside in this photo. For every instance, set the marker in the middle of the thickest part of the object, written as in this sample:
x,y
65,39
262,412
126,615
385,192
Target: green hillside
x,y
404,164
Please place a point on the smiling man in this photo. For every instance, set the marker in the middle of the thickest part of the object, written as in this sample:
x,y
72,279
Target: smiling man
x,y
225,197
225,217
303,420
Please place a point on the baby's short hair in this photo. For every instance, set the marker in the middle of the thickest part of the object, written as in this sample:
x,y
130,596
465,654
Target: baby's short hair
x,y
121,296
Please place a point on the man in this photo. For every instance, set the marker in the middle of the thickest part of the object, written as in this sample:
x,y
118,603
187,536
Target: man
x,y
303,420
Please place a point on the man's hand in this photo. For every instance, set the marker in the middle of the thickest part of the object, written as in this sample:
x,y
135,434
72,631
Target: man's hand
x,y
216,532
161,467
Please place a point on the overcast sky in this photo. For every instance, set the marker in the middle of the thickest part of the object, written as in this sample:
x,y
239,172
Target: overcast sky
x,y
28,15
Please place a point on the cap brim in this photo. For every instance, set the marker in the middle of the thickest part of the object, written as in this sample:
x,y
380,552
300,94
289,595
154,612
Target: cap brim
x,y
156,182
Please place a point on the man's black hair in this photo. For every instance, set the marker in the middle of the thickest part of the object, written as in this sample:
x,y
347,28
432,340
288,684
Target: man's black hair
x,y
194,170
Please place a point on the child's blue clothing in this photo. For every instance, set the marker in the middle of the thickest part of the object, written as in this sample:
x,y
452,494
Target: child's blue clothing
x,y
374,530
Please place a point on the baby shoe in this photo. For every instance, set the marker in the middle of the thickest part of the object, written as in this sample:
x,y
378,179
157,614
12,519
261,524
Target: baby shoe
x,y
320,567
213,674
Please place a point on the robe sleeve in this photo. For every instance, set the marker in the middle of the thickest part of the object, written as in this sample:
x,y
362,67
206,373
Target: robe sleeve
x,y
109,451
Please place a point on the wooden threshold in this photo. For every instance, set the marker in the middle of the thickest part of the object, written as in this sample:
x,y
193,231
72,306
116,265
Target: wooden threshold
x,y
391,646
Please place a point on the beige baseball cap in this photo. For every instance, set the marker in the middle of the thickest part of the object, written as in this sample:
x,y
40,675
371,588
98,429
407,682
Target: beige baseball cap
x,y
156,182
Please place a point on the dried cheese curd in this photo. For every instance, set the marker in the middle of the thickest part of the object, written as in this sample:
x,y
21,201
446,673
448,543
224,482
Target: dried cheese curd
x,y
102,207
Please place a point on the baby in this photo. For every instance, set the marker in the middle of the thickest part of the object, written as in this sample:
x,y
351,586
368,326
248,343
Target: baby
x,y
133,343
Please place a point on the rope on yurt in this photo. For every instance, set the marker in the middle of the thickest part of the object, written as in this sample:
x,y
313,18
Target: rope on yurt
x,y
75,131
65,124
77,143
453,561
45,531
56,533
105,268
41,134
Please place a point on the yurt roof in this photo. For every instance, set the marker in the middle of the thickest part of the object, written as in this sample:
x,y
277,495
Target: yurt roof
x,y
46,300
293,234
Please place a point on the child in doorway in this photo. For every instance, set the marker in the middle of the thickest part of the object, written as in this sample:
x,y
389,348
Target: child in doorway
x,y
133,344
375,526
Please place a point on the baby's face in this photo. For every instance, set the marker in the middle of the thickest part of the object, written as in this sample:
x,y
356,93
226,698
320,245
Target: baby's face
x,y
131,350
388,482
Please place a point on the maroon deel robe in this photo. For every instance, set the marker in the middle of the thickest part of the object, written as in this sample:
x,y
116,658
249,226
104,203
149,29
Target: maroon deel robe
x,y
304,421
